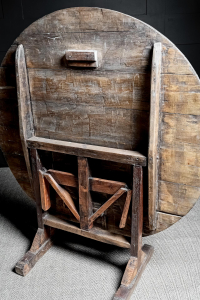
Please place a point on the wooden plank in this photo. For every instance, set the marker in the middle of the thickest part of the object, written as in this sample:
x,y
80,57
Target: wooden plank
x,y
165,220
181,165
174,62
181,103
107,204
85,202
24,104
96,184
137,213
104,153
180,83
180,130
125,210
64,195
76,20
94,233
133,59
110,89
177,199
44,192
154,130
105,113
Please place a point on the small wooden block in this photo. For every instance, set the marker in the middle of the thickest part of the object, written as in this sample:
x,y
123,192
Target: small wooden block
x,y
82,58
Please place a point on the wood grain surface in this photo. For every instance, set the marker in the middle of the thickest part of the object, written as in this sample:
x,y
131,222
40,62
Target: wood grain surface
x,y
108,106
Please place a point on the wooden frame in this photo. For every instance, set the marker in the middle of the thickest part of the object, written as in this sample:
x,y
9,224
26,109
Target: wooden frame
x,y
42,178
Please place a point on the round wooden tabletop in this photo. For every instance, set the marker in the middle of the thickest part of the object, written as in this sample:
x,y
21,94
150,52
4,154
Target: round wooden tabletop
x,y
108,106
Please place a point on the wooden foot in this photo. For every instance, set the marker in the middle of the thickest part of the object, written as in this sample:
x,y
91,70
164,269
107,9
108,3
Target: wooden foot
x,y
132,274
41,243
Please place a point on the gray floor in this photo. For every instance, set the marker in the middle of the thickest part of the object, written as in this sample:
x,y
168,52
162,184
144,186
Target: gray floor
x,y
83,269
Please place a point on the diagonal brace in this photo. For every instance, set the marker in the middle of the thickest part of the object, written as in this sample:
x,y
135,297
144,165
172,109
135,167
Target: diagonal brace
x,y
64,195
106,205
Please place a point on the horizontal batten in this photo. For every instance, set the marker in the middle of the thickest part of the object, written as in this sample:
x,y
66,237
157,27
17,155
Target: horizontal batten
x,y
84,150
96,184
94,233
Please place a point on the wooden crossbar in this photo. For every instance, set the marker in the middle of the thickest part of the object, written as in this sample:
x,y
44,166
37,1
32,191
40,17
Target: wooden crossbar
x,y
96,184
84,150
94,233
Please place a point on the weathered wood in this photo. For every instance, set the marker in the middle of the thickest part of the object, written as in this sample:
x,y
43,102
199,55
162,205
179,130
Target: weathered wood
x,y
181,130
64,195
78,149
41,244
165,220
174,62
94,233
130,271
107,204
96,184
180,83
85,201
137,213
109,89
24,103
181,165
181,103
101,114
119,90
125,210
105,186
35,167
82,58
154,138
64,178
125,291
44,192
85,19
177,198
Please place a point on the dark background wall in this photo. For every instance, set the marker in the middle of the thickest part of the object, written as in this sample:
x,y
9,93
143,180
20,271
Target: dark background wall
x,y
179,20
